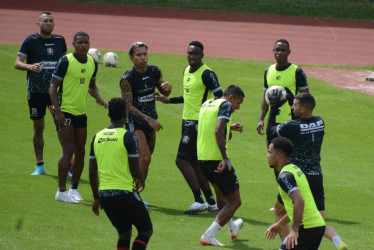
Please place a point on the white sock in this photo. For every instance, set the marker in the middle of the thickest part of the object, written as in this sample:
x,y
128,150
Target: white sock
x,y
213,229
336,240
231,224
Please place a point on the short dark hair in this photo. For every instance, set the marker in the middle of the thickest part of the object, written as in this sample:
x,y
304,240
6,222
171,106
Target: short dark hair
x,y
283,41
45,13
80,33
197,44
306,100
284,145
136,45
116,109
234,90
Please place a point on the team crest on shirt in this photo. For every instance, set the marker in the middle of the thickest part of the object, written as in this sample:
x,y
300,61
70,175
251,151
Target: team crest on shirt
x,y
82,80
186,139
278,77
50,51
188,79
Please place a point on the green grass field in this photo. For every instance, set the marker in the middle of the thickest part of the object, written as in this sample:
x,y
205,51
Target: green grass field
x,y
32,219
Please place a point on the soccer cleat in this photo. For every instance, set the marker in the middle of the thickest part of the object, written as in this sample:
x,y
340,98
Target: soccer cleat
x,y
342,246
73,193
212,208
147,204
39,170
235,231
196,207
64,197
210,241
70,172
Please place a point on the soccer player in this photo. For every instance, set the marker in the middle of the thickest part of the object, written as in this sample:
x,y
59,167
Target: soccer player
x,y
306,133
138,86
308,225
213,134
116,179
199,83
285,74
41,51
74,76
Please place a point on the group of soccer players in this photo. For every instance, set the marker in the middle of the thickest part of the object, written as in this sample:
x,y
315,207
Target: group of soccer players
x,y
120,157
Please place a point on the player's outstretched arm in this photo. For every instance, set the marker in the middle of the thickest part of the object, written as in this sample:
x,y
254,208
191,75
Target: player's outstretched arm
x,y
237,126
164,87
94,182
263,112
221,143
94,92
274,229
21,65
59,116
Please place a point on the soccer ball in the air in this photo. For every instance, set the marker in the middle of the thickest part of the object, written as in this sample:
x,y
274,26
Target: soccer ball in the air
x,y
110,59
95,53
275,94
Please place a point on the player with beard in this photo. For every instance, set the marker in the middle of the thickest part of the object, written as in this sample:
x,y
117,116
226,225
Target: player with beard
x,y
41,51
308,225
306,133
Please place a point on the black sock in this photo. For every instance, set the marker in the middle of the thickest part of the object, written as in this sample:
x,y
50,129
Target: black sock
x,y
62,189
140,243
123,244
198,197
209,197
40,163
74,185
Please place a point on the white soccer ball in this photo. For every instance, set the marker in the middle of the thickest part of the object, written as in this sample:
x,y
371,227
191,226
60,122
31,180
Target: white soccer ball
x,y
275,94
95,53
110,59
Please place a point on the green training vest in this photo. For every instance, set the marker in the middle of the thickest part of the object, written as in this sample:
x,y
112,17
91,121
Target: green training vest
x,y
193,92
311,217
73,98
207,148
285,78
112,160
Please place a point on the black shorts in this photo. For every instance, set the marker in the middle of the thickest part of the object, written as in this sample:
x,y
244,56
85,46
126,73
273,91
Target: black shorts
x,y
187,147
77,121
126,210
316,186
133,125
227,181
309,239
38,103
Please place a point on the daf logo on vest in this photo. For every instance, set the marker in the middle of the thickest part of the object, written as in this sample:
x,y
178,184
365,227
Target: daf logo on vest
x,y
312,127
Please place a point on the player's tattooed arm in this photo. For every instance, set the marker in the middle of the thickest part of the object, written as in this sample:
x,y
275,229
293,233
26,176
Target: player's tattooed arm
x,y
164,87
126,91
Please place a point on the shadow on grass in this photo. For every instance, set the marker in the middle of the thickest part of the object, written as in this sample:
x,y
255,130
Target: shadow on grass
x,y
68,180
176,212
344,222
